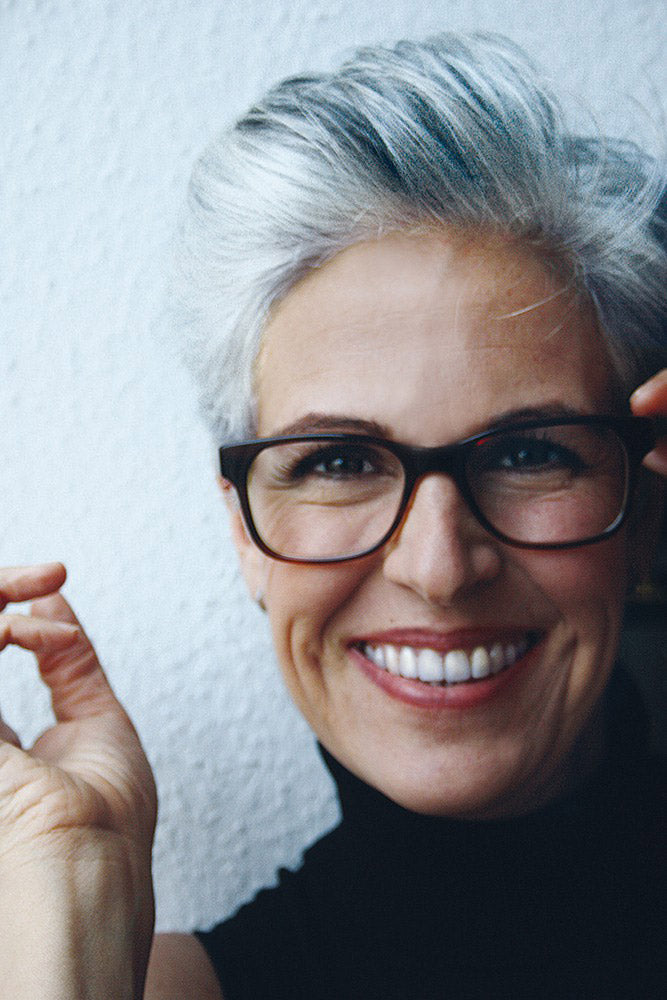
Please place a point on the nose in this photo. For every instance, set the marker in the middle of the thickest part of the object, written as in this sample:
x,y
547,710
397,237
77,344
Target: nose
x,y
440,551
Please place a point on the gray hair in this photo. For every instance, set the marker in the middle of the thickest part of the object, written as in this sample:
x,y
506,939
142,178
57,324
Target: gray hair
x,y
456,131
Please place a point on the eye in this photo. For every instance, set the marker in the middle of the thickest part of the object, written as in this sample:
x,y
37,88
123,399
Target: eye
x,y
302,465
528,454
339,462
535,454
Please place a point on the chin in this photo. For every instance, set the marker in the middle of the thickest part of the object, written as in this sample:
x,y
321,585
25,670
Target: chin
x,y
467,802
494,779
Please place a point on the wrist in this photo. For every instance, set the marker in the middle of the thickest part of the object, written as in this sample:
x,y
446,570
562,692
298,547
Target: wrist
x,y
77,919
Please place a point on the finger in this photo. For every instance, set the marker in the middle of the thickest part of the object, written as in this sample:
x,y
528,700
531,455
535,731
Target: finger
x,y
79,688
657,460
37,634
22,583
650,399
8,735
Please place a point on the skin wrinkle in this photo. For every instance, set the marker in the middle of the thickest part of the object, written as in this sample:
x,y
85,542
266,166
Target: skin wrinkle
x,y
594,734
444,366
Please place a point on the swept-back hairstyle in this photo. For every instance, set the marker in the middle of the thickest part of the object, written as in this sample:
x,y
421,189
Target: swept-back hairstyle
x,y
455,130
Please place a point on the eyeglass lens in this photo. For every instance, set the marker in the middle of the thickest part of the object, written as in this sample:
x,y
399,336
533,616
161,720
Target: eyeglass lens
x,y
324,499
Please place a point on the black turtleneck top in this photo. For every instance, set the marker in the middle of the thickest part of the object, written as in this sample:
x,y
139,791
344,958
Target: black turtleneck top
x,y
567,902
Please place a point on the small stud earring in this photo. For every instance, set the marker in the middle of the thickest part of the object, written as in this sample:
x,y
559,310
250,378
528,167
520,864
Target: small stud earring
x,y
259,598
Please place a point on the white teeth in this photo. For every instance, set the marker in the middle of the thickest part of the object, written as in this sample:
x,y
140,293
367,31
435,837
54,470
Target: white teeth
x,y
379,654
457,666
391,658
430,666
497,656
407,663
454,667
480,663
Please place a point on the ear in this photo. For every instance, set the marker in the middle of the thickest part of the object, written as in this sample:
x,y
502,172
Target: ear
x,y
252,560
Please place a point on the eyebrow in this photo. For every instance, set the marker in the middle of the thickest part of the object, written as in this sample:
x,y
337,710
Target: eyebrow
x,y
314,423
546,411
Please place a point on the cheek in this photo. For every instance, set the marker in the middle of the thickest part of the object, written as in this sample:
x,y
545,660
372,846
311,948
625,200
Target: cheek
x,y
577,581
302,601
586,589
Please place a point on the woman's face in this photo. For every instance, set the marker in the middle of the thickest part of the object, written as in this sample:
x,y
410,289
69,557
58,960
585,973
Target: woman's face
x,y
426,339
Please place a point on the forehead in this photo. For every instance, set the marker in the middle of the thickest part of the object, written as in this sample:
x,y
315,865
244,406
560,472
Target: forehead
x,y
426,332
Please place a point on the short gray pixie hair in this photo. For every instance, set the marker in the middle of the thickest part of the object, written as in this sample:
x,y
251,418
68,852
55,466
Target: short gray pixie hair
x,y
455,130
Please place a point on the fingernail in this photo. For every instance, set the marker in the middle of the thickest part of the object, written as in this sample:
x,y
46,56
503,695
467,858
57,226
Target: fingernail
x,y
639,394
67,628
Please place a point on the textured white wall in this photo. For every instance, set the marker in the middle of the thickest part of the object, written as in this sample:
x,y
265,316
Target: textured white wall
x,y
103,463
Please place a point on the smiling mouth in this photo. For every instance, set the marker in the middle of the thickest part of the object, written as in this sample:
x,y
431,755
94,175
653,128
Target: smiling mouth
x,y
457,666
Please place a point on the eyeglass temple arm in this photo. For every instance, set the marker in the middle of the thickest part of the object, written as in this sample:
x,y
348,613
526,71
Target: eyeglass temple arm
x,y
659,426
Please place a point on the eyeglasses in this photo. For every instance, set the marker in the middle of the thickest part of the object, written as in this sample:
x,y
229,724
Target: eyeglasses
x,y
541,484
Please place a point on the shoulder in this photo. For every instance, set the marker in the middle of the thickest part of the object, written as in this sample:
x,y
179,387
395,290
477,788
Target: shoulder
x,y
179,969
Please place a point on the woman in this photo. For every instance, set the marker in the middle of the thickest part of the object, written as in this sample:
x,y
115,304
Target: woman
x,y
417,309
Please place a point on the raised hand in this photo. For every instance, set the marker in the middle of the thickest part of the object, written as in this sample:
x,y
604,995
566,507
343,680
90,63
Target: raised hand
x,y
77,815
650,400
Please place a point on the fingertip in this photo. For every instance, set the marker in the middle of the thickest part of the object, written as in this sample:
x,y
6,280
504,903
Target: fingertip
x,y
656,461
651,396
52,570
60,569
67,628
55,608
30,582
57,636
54,564
639,398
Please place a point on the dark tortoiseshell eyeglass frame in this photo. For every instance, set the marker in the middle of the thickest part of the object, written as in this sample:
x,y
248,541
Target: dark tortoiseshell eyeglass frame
x,y
637,435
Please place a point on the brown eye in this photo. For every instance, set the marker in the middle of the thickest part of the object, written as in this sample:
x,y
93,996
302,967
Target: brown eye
x,y
339,464
529,454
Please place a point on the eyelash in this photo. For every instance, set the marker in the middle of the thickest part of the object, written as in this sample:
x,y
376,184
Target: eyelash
x,y
564,457
309,463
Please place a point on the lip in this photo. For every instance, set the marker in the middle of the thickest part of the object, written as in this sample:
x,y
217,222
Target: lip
x,y
444,642
466,695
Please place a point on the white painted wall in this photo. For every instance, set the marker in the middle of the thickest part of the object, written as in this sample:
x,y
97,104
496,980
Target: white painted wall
x,y
103,462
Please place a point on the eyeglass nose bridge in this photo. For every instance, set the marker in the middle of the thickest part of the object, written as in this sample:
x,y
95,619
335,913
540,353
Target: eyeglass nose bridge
x,y
446,460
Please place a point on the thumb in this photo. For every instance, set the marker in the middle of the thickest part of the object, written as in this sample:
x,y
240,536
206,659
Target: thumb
x,y
651,397
79,688
650,400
